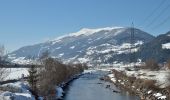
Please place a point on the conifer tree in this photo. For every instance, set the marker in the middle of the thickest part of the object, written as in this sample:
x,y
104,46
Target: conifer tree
x,y
33,78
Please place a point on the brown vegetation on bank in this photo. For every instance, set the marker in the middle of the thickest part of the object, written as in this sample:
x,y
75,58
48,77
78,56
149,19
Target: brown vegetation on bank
x,y
52,74
139,86
151,64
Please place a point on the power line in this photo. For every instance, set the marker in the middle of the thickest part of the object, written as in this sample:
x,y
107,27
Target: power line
x,y
162,11
132,40
151,14
163,22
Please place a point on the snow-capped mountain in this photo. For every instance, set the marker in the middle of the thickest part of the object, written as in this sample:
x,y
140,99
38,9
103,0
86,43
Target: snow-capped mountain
x,y
92,46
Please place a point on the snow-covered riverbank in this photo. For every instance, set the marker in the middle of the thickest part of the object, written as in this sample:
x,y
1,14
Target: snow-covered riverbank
x,y
149,85
15,91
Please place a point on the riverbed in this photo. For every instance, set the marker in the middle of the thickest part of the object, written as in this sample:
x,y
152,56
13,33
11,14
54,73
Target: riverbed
x,y
90,87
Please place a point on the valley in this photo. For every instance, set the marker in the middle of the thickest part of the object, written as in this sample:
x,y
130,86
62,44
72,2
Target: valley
x,y
104,49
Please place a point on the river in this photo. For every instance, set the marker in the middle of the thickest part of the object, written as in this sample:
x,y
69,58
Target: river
x,y
90,87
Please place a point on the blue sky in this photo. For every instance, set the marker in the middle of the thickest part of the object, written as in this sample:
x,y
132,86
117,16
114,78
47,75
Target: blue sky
x,y
26,22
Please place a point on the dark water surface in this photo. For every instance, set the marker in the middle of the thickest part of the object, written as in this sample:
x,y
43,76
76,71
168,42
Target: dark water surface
x,y
89,87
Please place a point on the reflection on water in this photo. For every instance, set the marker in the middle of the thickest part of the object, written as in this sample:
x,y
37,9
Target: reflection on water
x,y
89,87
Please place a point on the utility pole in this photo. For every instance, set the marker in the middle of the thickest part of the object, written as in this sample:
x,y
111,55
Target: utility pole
x,y
132,41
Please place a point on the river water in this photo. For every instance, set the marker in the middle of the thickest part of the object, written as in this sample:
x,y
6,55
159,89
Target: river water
x,y
89,87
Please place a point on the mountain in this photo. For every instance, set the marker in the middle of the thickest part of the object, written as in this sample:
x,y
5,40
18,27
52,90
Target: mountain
x,y
158,49
93,46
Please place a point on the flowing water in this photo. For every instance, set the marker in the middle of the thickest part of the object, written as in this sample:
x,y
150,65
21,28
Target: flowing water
x,y
89,87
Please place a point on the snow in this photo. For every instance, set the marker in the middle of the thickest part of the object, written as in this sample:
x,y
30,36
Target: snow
x,y
55,41
128,45
60,55
119,80
59,92
117,49
118,31
113,80
89,71
150,91
133,86
138,43
18,60
83,60
22,60
125,45
21,92
160,76
122,83
72,47
84,31
166,46
105,44
16,73
162,97
59,38
23,96
11,57
90,52
157,94
112,77
58,48
106,51
73,57
87,31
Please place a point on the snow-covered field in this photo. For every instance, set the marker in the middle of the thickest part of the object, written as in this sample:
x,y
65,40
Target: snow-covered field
x,y
161,76
16,73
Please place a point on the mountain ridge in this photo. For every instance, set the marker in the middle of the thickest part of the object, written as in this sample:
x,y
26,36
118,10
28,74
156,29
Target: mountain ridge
x,y
86,45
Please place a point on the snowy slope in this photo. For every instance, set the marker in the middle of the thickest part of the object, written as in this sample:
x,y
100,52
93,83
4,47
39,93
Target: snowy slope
x,y
86,46
166,46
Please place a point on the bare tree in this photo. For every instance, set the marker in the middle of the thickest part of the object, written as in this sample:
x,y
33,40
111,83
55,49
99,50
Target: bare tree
x,y
51,75
54,73
3,71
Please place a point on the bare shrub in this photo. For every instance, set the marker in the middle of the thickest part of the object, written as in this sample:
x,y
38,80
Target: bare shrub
x,y
132,79
151,64
168,64
150,84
